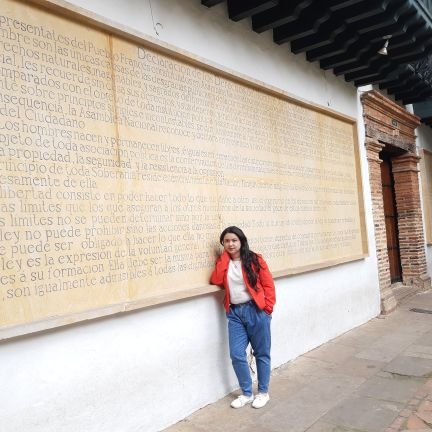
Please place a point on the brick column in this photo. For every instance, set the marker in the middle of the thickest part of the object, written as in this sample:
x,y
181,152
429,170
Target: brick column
x,y
388,301
410,221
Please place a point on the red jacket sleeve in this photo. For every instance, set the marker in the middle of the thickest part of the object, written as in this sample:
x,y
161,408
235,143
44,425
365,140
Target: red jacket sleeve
x,y
221,266
268,286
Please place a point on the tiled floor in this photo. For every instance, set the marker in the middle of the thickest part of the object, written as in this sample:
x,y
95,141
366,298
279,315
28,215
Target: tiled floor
x,y
374,378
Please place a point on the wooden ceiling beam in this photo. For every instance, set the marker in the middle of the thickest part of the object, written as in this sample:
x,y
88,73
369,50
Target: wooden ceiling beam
x,y
285,13
240,9
210,3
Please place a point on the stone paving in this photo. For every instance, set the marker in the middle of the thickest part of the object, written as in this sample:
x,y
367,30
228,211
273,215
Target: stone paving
x,y
375,378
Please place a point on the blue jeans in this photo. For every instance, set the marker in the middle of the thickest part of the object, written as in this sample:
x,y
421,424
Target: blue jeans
x,y
247,323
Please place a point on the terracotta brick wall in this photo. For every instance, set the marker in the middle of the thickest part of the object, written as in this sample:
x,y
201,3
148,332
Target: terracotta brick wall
x,y
411,236
391,128
373,148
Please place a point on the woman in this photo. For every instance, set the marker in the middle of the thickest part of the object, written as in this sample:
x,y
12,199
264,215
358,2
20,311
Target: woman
x,y
249,300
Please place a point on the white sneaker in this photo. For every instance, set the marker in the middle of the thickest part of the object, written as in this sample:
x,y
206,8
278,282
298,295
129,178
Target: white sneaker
x,y
260,400
241,401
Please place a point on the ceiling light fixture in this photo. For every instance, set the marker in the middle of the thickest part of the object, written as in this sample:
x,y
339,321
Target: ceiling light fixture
x,y
383,50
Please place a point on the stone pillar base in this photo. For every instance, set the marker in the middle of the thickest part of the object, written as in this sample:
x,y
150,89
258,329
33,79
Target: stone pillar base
x,y
388,301
418,283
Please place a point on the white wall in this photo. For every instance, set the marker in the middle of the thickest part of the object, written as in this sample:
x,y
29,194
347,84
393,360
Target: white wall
x,y
424,141
148,369
424,137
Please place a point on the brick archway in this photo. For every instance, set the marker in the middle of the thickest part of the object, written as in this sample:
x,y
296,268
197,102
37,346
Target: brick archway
x,y
390,128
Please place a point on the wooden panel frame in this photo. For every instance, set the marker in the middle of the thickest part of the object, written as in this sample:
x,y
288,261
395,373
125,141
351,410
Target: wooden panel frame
x,y
82,16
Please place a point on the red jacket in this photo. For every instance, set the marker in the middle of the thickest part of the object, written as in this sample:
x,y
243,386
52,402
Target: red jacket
x,y
264,295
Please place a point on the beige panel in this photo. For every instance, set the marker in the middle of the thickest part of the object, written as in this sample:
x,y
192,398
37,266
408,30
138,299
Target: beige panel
x,y
426,177
121,163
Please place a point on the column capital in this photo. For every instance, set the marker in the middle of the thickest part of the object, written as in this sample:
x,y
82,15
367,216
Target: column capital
x,y
405,163
373,149
372,144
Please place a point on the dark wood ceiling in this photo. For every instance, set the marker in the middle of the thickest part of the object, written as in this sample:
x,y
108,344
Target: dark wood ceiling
x,y
346,35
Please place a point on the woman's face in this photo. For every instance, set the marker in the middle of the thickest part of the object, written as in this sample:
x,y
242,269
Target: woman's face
x,y
232,245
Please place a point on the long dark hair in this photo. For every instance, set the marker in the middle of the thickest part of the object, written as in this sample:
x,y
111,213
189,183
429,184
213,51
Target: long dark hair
x,y
248,257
